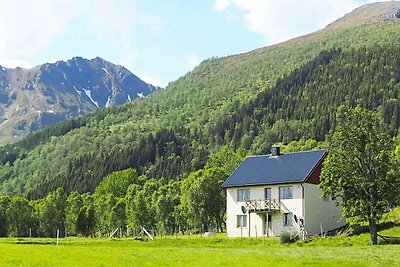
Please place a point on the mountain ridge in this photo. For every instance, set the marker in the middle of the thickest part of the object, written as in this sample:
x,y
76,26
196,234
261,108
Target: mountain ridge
x,y
35,98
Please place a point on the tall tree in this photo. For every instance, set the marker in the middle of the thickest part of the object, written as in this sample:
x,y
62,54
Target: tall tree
x,y
117,183
19,215
4,203
202,199
359,168
72,211
53,213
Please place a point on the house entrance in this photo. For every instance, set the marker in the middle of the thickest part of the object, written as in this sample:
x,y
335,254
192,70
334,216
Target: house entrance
x,y
267,224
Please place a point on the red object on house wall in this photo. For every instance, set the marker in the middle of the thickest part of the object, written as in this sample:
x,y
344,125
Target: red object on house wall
x,y
313,177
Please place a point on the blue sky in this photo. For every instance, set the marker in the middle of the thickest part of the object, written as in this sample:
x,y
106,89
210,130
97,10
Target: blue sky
x,y
157,40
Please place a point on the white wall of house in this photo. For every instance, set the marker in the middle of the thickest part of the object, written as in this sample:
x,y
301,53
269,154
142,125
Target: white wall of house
x,y
320,212
312,209
257,221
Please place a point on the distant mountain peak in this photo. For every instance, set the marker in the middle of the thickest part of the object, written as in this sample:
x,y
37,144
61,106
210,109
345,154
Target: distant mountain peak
x,y
32,99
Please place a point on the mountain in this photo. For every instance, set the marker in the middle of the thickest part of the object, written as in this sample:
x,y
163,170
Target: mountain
x,y
32,99
295,90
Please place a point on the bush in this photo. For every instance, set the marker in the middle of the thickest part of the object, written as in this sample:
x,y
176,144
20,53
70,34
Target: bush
x,y
286,238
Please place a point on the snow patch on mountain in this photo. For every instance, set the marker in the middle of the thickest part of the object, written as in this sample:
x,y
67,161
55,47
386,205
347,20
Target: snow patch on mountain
x,y
129,98
140,95
89,94
106,71
108,101
79,92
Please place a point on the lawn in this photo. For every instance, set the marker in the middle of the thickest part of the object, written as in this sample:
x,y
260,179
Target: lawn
x,y
197,251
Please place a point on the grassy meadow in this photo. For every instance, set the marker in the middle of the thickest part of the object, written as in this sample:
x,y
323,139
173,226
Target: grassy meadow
x,y
199,251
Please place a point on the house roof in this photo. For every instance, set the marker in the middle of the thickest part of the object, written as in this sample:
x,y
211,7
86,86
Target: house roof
x,y
284,168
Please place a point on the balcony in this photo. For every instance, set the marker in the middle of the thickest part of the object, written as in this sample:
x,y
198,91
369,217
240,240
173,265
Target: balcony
x,y
262,205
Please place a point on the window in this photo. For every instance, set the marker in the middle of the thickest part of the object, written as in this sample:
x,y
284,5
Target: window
x,y
242,221
285,192
287,219
268,193
243,194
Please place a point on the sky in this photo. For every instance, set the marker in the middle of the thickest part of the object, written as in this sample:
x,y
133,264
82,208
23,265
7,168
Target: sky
x,y
157,40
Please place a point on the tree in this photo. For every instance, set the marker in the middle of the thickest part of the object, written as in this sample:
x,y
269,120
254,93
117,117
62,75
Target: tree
x,y
117,183
359,170
165,201
72,211
86,221
202,199
226,159
4,203
53,213
140,209
19,215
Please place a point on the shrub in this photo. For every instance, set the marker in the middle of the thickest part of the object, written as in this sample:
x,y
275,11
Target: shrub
x,y
285,238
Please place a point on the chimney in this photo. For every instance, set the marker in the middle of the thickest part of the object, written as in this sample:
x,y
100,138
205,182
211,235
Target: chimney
x,y
275,151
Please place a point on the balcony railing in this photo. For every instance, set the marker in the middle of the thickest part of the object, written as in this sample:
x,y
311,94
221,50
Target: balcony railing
x,y
263,205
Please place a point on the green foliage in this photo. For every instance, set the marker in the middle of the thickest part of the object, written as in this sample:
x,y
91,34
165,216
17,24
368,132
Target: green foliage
x,y
226,159
4,203
203,200
52,214
359,169
117,183
19,216
303,145
140,207
285,238
253,100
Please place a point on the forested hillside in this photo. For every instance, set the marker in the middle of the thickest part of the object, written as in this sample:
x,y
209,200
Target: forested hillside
x,y
275,94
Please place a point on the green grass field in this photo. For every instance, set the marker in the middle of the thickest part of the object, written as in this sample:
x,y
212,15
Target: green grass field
x,y
199,251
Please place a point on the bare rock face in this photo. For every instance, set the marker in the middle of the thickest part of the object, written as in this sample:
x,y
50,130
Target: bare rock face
x,y
31,99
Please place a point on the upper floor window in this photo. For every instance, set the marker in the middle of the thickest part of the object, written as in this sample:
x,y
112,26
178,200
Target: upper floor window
x,y
286,192
243,194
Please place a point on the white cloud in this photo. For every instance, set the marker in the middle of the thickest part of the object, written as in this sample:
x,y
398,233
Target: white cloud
x,y
221,5
13,63
151,80
280,20
28,27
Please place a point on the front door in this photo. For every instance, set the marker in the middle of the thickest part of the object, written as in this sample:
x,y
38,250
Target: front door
x,y
267,224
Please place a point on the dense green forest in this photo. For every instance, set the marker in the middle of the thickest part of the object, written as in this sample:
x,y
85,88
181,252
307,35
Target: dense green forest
x,y
159,162
126,200
292,91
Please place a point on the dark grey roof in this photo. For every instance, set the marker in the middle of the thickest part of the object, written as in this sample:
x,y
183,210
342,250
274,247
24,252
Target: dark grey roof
x,y
267,169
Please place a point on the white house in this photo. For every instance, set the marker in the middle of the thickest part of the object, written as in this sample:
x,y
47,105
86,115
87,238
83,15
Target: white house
x,y
276,193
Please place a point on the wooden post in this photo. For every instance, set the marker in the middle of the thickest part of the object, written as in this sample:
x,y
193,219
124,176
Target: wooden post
x,y
322,232
58,235
30,232
249,226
